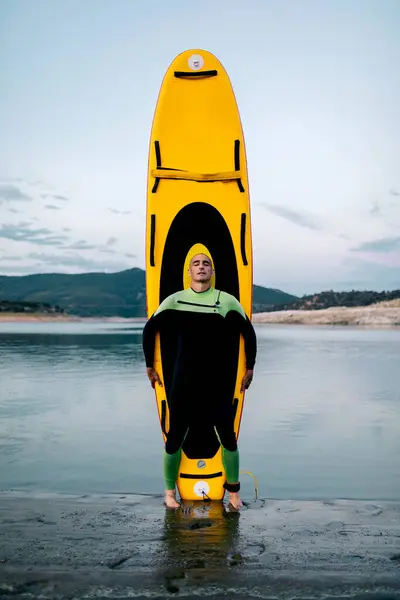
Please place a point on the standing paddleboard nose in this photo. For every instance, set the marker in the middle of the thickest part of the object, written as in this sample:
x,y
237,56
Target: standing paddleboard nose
x,y
196,64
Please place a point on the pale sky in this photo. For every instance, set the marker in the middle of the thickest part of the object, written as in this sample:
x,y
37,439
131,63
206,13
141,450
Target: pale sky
x,y
318,88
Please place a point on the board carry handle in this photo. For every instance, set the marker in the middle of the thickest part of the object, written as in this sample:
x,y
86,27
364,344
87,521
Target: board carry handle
x,y
183,74
161,172
243,238
152,239
164,173
204,476
158,162
237,164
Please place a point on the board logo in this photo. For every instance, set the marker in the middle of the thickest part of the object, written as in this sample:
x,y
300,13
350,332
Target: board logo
x,y
201,488
195,62
201,464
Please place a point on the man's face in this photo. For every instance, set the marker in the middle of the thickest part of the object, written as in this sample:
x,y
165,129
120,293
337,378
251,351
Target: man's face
x,y
200,268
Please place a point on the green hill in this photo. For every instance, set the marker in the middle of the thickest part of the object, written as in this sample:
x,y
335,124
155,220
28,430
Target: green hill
x,y
264,299
121,294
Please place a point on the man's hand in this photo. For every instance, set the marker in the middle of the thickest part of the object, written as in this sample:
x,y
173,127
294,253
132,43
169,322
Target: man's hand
x,y
153,377
247,379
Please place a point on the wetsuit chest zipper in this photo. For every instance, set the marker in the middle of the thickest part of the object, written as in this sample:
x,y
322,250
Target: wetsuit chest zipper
x,y
203,305
195,304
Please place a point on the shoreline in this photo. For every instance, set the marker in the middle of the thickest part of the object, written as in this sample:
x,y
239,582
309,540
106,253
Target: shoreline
x,y
385,314
57,318
366,316
129,545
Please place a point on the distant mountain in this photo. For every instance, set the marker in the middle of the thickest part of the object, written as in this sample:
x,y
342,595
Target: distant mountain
x,y
121,294
264,299
330,299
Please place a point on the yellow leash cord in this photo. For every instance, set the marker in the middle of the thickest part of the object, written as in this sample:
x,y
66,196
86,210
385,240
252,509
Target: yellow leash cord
x,y
255,482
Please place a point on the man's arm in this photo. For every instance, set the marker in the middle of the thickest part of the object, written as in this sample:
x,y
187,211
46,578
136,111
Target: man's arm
x,y
154,325
236,314
250,341
149,338
250,346
148,342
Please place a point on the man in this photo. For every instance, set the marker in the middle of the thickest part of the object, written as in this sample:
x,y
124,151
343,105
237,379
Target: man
x,y
205,324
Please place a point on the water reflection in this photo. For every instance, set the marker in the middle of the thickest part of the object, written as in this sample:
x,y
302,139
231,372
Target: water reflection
x,y
55,347
200,541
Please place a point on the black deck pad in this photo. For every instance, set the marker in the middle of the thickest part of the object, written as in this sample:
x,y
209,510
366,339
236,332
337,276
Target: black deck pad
x,y
199,223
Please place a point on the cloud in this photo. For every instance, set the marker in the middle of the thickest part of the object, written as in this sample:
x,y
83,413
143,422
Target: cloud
x,y
10,258
388,244
15,269
376,210
55,240
386,209
37,183
129,255
81,245
14,210
23,181
55,197
17,188
367,274
106,247
52,207
12,193
22,232
119,212
302,219
76,261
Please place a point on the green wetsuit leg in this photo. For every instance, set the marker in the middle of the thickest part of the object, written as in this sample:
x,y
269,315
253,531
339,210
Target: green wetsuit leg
x,y
172,461
230,460
171,467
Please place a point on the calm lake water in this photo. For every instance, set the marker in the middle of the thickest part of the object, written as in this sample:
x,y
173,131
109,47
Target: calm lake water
x,y
321,420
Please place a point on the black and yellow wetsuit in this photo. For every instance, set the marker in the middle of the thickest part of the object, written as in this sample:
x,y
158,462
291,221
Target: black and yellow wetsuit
x,y
199,336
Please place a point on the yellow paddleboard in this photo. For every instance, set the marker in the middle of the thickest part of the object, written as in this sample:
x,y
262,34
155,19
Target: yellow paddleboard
x,y
197,200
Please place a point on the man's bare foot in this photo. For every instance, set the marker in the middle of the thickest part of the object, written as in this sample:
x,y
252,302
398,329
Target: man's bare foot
x,y
235,500
170,499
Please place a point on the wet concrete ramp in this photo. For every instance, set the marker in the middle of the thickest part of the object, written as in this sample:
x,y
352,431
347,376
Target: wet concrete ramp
x,y
131,546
